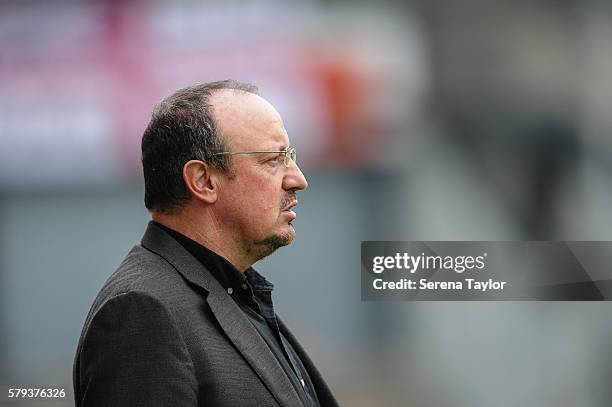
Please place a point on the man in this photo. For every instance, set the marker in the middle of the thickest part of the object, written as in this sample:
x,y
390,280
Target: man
x,y
185,320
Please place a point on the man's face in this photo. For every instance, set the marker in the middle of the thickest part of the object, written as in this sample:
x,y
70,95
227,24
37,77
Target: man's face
x,y
256,200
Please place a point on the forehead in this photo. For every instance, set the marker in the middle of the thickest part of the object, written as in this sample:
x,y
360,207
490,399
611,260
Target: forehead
x,y
247,121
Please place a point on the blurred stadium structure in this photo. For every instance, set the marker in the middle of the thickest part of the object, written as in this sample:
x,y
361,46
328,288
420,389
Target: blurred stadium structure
x,y
429,120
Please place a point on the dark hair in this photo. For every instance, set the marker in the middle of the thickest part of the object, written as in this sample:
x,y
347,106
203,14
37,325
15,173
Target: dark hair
x,y
182,128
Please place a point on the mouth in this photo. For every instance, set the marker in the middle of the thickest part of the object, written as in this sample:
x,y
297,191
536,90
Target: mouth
x,y
288,210
291,205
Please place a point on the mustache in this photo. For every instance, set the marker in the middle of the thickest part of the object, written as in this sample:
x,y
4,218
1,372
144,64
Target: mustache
x,y
287,199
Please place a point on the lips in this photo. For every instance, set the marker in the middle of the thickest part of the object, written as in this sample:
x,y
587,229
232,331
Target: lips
x,y
291,205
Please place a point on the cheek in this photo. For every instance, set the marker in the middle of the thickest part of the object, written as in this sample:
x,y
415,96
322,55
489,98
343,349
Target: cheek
x,y
260,198
268,202
255,200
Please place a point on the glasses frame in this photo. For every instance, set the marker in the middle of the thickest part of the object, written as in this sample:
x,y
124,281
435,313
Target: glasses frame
x,y
290,154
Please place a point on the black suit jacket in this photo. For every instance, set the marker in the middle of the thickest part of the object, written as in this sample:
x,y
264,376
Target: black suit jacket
x,y
163,332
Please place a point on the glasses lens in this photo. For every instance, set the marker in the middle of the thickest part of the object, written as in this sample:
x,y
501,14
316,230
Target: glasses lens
x,y
290,155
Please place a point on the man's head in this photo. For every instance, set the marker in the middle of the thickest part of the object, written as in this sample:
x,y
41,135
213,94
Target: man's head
x,y
239,200
182,128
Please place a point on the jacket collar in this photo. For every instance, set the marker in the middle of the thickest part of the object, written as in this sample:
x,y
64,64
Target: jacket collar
x,y
231,318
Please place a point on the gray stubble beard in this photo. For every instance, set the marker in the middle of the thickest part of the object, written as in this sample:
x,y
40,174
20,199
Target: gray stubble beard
x,y
269,245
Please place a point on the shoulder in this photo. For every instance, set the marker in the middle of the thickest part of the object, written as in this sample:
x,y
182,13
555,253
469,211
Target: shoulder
x,y
146,280
145,294
148,273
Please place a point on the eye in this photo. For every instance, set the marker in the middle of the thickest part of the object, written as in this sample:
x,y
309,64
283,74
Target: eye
x,y
277,159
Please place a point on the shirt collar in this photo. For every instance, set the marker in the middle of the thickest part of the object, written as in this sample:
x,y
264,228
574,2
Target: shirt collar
x,y
224,272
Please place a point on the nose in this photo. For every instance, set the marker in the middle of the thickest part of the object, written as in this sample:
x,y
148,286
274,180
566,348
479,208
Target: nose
x,y
294,178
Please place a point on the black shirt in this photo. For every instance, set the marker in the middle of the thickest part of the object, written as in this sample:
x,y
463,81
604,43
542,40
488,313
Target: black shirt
x,y
253,294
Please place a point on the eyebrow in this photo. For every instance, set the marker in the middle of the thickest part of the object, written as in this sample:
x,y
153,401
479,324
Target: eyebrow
x,y
276,149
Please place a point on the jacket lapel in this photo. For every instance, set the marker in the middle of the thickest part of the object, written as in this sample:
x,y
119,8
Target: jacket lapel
x,y
230,317
324,394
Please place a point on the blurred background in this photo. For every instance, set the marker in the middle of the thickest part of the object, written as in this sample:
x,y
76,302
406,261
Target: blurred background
x,y
422,120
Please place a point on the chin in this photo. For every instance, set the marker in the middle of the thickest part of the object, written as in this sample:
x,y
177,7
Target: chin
x,y
285,237
279,239
267,246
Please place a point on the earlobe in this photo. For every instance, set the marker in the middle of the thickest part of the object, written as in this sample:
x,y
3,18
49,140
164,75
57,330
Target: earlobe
x,y
200,181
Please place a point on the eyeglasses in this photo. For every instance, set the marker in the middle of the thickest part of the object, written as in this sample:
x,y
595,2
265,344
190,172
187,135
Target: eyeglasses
x,y
289,153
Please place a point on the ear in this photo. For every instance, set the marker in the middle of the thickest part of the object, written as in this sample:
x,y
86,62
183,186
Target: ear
x,y
201,181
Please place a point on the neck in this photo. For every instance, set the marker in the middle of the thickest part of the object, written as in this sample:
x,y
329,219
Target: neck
x,y
211,236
